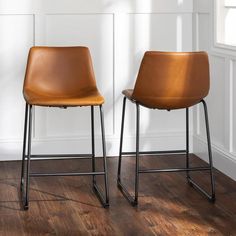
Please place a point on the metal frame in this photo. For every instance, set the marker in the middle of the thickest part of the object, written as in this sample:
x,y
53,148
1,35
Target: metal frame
x,y
26,159
134,199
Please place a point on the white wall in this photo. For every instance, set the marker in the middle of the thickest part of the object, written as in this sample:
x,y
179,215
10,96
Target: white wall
x,y
222,97
117,32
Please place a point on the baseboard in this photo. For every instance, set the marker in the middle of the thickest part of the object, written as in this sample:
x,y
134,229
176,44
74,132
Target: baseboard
x,y
12,150
222,160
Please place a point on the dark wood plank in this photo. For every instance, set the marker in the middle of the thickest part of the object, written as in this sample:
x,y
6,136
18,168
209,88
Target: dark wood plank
x,y
68,206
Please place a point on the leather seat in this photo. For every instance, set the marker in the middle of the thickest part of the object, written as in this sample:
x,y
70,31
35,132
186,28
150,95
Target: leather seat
x,y
91,98
60,76
171,80
168,80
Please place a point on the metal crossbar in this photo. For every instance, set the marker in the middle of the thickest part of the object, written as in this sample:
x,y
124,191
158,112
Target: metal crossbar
x,y
156,152
66,174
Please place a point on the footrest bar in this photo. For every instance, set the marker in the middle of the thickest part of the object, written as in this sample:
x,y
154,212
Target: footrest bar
x,y
156,152
174,170
126,194
60,155
201,190
66,174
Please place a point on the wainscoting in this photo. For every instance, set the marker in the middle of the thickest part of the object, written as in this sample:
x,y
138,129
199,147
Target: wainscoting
x,y
222,97
118,32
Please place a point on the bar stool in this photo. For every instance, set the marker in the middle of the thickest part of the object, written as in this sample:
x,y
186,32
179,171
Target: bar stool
x,y
61,77
168,81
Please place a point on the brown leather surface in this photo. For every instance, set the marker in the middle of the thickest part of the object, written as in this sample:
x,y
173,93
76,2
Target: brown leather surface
x,y
171,80
60,76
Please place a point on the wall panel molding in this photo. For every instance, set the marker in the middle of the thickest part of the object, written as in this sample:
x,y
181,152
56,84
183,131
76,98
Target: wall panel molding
x,y
11,149
222,159
66,30
17,35
233,106
118,33
221,99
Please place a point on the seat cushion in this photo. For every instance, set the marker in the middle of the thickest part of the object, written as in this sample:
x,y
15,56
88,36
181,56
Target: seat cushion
x,y
92,98
167,103
172,80
60,76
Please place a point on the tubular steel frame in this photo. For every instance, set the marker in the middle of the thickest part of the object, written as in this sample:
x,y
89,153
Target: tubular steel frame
x,y
26,158
134,199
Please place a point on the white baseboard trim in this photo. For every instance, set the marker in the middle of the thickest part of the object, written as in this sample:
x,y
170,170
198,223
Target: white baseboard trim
x,y
12,150
222,160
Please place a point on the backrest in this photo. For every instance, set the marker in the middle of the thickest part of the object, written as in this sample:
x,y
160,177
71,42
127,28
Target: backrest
x,y
172,75
59,71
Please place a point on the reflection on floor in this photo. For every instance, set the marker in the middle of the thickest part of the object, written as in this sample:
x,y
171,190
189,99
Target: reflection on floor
x,y
68,206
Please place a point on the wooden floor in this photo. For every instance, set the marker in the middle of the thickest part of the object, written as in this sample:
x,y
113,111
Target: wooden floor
x,y
68,206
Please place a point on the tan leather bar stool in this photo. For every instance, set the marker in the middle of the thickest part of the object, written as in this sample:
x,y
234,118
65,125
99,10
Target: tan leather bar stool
x,y
167,81
61,77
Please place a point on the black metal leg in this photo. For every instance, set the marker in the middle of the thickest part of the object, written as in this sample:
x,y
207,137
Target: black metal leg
x,y
104,154
24,149
121,139
123,189
133,200
26,183
187,142
26,200
209,150
93,142
194,184
104,201
137,154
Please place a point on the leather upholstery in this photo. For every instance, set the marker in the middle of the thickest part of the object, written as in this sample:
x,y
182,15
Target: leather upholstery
x,y
60,76
171,80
